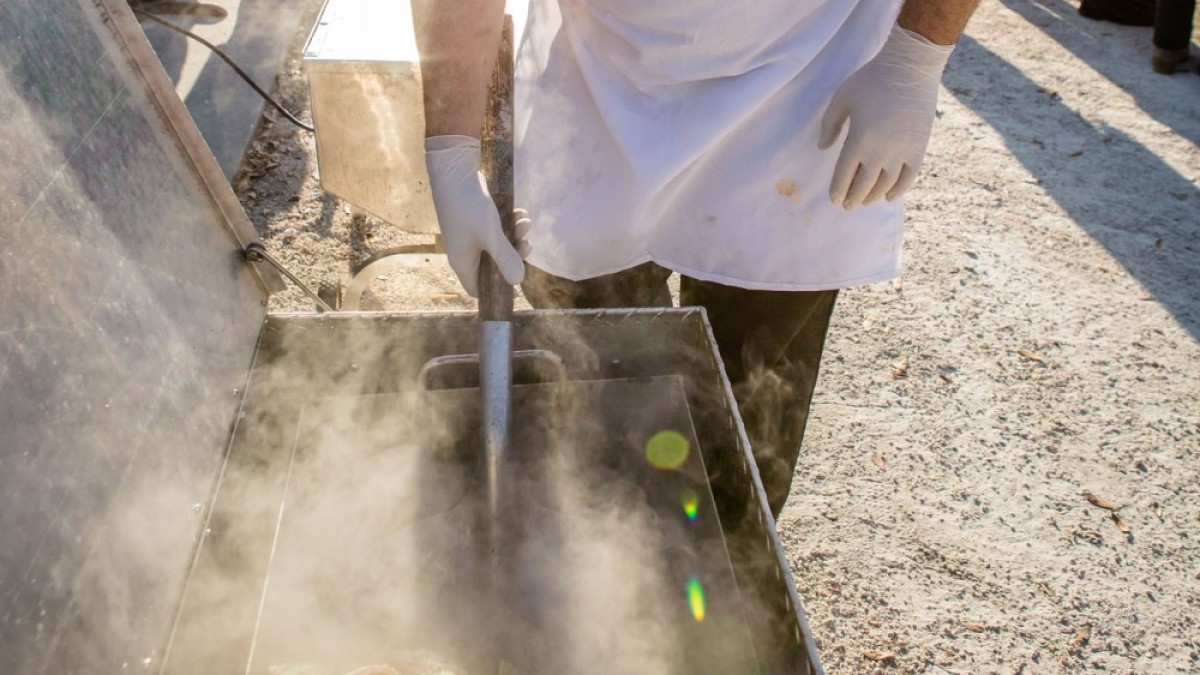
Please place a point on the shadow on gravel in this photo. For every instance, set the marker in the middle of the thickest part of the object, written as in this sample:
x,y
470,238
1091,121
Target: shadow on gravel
x,y
1096,42
1100,176
224,107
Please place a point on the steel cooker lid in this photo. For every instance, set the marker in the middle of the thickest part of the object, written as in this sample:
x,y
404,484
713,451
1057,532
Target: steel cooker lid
x,y
128,323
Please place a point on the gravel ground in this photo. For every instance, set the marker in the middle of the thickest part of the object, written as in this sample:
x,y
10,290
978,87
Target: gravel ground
x,y
1001,470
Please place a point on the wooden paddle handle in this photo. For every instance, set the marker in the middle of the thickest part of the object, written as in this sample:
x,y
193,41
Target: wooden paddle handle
x,y
496,294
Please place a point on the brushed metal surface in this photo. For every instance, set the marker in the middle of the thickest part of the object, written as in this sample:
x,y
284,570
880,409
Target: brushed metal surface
x,y
307,359
364,79
128,323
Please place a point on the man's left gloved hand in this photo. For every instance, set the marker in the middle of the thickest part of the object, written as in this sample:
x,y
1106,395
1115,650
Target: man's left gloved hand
x,y
890,104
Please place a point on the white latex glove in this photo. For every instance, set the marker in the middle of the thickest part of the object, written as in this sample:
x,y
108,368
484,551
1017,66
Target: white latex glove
x,y
467,215
890,103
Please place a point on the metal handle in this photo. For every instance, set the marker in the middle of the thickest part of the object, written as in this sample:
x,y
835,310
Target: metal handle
x,y
452,360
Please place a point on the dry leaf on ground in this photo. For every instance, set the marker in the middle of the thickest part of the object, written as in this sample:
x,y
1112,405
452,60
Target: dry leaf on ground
x,y
1032,356
1097,501
974,627
1121,524
876,655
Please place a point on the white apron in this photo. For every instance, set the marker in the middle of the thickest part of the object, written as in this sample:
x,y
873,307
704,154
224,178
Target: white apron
x,y
685,132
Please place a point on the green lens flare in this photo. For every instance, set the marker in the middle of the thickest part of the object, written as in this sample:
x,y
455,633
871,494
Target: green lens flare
x,y
691,504
667,450
695,595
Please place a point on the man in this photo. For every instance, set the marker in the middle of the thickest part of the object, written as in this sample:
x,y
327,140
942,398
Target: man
x,y
1126,12
757,148
1172,36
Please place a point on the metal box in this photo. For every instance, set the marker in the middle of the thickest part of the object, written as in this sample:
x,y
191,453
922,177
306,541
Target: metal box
x,y
364,80
346,500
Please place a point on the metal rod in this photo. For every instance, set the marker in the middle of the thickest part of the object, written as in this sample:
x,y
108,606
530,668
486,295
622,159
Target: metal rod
x,y
495,383
256,252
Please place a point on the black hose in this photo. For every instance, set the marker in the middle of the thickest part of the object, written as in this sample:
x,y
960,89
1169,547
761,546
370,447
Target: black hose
x,y
225,57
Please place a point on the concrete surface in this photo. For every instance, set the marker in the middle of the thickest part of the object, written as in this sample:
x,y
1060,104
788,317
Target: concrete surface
x,y
256,35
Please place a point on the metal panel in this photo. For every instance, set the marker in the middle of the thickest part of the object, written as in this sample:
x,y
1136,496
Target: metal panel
x,y
128,322
364,78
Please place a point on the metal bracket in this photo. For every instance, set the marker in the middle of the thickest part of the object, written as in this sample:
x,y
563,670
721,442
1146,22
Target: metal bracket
x,y
255,252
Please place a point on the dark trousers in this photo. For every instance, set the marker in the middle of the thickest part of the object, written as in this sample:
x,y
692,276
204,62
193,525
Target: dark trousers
x,y
770,342
1173,24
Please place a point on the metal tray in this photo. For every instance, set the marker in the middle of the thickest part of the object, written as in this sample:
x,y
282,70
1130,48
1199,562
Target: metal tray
x,y
308,564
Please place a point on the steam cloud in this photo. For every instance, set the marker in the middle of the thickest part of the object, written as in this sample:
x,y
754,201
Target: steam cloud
x,y
349,531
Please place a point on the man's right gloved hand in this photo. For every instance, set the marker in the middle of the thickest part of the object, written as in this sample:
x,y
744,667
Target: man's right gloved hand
x,y
466,214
